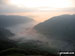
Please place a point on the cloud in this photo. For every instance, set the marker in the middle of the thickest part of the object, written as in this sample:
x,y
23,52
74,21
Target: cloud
x,y
12,9
2,1
71,9
7,8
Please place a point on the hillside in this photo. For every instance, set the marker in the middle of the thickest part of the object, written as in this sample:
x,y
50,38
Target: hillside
x,y
61,29
11,20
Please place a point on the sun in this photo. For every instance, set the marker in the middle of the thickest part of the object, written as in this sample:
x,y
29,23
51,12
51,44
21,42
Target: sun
x,y
51,4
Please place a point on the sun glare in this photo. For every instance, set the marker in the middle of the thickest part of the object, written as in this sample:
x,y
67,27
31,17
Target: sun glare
x,y
42,3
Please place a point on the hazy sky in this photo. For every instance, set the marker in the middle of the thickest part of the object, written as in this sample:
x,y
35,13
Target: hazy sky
x,y
40,10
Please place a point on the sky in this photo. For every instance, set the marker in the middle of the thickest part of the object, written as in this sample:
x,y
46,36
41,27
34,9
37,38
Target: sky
x,y
39,10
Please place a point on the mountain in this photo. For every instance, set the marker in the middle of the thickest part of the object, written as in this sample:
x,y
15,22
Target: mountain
x,y
5,42
59,28
11,20
6,34
10,47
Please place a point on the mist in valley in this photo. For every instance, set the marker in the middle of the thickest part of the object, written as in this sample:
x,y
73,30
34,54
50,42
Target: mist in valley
x,y
19,32
48,37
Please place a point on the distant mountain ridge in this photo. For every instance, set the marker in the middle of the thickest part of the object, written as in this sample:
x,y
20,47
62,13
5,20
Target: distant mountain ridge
x,y
11,20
